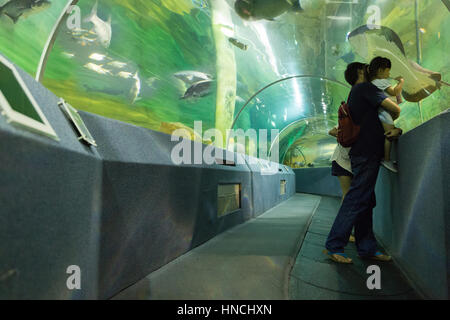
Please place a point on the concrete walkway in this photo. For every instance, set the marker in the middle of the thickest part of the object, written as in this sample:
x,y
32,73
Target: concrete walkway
x,y
250,261
273,257
316,277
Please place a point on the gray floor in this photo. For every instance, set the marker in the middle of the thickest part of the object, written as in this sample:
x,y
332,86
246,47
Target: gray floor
x,y
275,256
316,277
250,261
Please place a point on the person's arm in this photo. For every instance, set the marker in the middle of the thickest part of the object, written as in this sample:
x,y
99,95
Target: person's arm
x,y
333,132
399,87
391,107
391,91
395,91
393,133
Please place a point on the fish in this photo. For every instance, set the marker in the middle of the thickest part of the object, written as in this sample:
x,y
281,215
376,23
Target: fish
x,y
97,56
117,64
198,89
336,50
191,77
136,88
125,74
83,41
76,32
240,100
101,28
238,44
252,10
151,81
97,68
83,36
16,9
68,54
370,41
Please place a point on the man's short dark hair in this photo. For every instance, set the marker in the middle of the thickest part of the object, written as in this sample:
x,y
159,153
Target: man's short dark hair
x,y
351,73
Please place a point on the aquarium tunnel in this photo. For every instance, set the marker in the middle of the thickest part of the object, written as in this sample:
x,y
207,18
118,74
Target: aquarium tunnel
x,y
180,149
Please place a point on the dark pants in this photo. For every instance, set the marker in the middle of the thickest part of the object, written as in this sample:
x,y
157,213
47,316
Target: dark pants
x,y
357,209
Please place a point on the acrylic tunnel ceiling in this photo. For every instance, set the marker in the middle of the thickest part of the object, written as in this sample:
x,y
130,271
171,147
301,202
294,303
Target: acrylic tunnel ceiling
x,y
163,64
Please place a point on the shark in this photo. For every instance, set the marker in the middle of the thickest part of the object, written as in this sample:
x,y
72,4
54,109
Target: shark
x,y
199,89
253,10
370,41
101,28
15,9
190,77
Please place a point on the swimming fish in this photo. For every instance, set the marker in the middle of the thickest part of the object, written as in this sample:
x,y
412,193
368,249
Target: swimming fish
x,y
117,64
336,50
86,41
198,89
97,56
239,100
191,77
125,74
238,44
135,89
372,41
101,28
97,68
15,9
265,9
68,54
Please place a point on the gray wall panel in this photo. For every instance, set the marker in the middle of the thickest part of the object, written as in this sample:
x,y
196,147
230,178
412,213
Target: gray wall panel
x,y
153,210
317,181
412,216
414,224
266,187
50,196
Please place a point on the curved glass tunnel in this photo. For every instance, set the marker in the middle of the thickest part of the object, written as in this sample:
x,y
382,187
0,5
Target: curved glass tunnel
x,y
164,65
137,69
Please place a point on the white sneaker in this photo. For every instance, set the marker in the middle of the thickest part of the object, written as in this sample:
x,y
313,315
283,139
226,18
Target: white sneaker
x,y
389,165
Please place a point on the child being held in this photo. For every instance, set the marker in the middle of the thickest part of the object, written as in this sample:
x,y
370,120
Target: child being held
x,y
379,70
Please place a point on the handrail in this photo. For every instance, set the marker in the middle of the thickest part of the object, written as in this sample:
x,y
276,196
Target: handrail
x,y
280,80
51,40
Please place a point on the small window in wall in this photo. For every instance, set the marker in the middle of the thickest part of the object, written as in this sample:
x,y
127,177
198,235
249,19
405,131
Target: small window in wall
x,y
228,198
282,187
18,104
78,123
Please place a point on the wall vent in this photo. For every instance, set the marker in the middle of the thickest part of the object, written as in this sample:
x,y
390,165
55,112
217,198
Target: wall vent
x,y
228,198
225,162
282,187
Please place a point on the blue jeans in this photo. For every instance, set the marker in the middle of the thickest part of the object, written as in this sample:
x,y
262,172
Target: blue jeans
x,y
357,209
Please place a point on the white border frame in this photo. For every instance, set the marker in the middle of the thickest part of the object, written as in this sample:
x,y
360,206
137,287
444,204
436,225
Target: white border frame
x,y
20,119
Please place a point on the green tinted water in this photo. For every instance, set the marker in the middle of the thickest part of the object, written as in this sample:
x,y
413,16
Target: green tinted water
x,y
133,80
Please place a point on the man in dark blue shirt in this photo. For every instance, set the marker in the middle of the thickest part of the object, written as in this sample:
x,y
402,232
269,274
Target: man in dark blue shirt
x,y
365,155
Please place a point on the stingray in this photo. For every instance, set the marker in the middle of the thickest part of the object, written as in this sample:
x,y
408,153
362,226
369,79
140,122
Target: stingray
x,y
370,41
